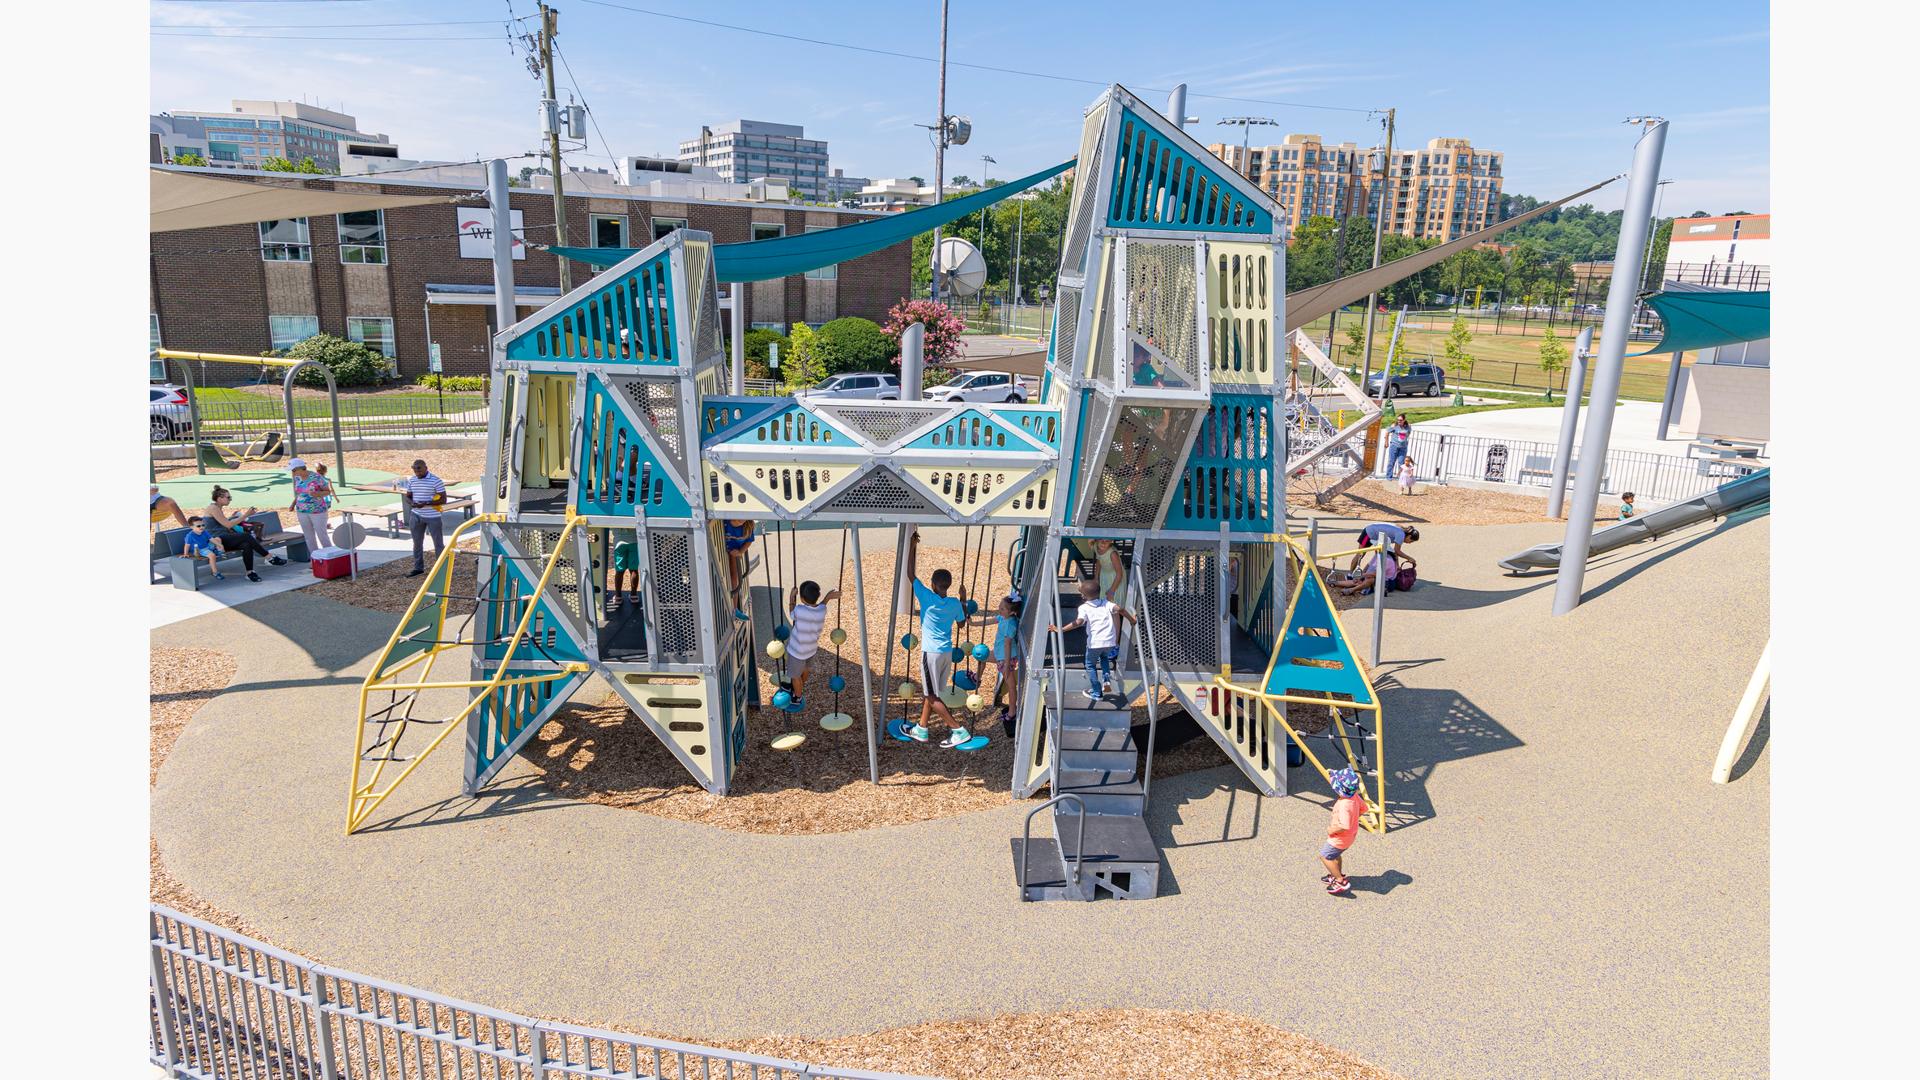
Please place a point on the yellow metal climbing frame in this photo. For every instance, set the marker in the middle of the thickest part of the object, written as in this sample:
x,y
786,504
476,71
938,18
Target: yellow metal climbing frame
x,y
415,647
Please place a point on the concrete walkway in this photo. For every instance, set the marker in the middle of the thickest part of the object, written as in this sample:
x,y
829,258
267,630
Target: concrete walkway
x,y
1565,894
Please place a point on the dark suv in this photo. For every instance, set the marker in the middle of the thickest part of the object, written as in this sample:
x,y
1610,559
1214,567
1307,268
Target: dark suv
x,y
1425,379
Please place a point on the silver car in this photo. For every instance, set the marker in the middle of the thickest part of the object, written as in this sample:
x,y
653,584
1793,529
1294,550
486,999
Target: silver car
x,y
979,386
167,405
856,385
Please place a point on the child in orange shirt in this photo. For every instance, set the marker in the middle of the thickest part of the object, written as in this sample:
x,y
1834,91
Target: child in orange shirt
x,y
1347,810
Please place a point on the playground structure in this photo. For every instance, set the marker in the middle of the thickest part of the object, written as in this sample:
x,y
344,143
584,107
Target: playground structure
x,y
1750,494
1174,391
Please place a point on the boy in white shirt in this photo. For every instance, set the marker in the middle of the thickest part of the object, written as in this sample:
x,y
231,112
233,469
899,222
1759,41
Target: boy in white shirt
x,y
809,616
1101,617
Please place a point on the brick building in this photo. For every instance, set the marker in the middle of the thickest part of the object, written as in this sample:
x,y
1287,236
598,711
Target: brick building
x,y
1441,192
385,278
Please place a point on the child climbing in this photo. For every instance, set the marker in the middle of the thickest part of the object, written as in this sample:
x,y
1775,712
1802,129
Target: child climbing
x,y
938,614
199,542
1006,661
739,535
1101,617
808,612
1348,807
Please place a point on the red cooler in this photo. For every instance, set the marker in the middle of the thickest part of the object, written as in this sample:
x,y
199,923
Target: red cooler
x,y
333,562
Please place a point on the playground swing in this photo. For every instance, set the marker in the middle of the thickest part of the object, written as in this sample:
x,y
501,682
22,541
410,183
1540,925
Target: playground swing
x,y
838,720
269,449
782,699
274,446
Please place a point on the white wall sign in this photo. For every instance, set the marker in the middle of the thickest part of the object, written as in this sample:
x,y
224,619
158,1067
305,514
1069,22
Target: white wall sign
x,y
476,232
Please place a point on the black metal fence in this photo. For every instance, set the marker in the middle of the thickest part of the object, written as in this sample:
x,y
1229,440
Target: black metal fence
x,y
238,421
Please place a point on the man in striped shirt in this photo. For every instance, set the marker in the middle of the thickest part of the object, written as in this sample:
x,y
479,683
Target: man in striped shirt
x,y
424,494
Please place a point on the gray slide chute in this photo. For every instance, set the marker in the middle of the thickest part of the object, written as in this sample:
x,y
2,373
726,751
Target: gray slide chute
x,y
1721,501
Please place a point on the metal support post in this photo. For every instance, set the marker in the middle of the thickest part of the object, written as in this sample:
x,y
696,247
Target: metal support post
x,y
505,312
1379,597
1607,367
866,669
913,361
1382,210
1569,421
1667,398
1313,541
737,321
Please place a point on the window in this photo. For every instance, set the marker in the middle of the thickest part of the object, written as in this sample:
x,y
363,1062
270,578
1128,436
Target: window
x,y
363,237
825,273
767,232
664,225
285,240
289,330
608,230
153,330
374,333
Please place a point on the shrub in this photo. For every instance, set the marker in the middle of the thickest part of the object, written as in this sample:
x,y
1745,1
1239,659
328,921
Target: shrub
x,y
943,328
757,342
452,382
353,364
806,363
855,344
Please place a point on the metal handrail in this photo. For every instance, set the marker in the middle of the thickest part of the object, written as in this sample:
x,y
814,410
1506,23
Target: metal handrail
x,y
1151,655
1058,677
1079,843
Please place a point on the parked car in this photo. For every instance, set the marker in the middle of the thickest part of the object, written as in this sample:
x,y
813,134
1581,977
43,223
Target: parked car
x,y
856,385
1425,379
979,386
170,416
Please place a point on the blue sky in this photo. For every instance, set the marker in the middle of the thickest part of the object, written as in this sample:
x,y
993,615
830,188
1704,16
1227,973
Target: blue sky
x,y
1547,85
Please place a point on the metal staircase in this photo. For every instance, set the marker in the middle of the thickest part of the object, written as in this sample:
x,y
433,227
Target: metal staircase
x,y
1102,780
1324,457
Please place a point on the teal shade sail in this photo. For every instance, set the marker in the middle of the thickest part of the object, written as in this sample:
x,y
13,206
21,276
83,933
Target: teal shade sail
x,y
763,260
1703,318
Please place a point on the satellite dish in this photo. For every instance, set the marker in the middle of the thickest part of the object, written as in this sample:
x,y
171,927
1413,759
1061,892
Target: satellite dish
x,y
962,269
959,130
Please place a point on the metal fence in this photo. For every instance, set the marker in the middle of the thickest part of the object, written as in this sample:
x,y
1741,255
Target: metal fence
x,y
236,422
226,1007
1653,478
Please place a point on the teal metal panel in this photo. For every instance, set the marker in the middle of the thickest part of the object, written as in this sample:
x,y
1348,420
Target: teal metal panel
x,y
1070,457
1158,185
722,417
793,425
1234,469
627,318
615,471
503,730
547,636
971,431
1310,636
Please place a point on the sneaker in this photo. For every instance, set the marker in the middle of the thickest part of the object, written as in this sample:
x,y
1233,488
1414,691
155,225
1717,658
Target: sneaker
x,y
415,572
738,614
1092,698
275,560
917,733
796,704
955,738
1339,886
1326,879
218,576
252,576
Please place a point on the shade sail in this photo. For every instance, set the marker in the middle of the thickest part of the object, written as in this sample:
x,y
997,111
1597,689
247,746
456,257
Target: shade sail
x,y
1309,304
1705,318
185,200
762,260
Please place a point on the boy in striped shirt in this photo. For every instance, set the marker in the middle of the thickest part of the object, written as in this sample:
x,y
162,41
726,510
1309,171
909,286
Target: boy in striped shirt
x,y
809,616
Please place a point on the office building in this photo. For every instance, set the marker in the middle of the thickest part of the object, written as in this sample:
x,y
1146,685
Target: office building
x,y
747,150
1441,192
246,135
842,188
169,137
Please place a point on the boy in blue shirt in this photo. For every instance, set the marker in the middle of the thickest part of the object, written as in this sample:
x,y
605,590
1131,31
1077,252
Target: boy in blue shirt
x,y
200,542
938,613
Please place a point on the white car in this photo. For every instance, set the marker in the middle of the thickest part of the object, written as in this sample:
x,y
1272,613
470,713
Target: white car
x,y
856,385
167,405
979,386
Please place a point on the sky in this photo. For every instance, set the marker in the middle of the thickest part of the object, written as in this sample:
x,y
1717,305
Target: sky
x,y
1548,85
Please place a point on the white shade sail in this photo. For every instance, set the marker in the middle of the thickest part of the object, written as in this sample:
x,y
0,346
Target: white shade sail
x,y
187,200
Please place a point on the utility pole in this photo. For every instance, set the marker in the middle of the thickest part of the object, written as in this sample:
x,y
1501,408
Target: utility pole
x,y
985,160
550,108
939,152
1246,124
1379,231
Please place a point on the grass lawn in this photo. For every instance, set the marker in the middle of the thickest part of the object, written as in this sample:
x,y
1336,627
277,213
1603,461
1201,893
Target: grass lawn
x,y
227,401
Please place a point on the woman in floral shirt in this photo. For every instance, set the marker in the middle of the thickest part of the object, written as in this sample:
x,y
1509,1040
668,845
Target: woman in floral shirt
x,y
312,494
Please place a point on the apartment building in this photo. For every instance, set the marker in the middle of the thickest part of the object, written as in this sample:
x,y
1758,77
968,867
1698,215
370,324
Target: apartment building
x,y
747,150
248,134
403,279
1444,191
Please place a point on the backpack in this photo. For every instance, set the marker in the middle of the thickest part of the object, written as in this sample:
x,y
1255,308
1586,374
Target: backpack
x,y
1403,581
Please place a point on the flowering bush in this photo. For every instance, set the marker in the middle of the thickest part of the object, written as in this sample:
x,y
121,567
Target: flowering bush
x,y
943,328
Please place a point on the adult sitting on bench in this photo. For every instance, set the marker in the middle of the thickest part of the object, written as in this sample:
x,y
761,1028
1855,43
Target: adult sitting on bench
x,y
233,534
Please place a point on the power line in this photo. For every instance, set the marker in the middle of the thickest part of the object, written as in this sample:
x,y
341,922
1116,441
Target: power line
x,y
334,244
595,120
260,1
953,63
327,26
319,37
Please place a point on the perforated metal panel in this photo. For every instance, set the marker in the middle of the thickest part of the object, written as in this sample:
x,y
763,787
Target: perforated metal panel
x,y
883,423
1086,187
879,490
1068,314
1138,466
658,401
1162,305
532,546
501,468
1089,439
1240,308
1182,587
678,632
707,344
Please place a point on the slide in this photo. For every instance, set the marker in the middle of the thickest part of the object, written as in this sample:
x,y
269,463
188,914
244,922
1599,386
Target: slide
x,y
1735,495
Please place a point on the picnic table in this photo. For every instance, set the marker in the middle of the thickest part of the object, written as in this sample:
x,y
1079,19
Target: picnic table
x,y
393,516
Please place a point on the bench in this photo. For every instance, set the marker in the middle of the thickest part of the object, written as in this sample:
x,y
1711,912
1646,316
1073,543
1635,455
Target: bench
x,y
169,549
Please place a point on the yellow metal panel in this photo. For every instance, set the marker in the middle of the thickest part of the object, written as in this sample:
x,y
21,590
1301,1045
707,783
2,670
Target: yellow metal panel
x,y
724,495
1034,502
966,489
1243,337
1100,330
681,707
782,483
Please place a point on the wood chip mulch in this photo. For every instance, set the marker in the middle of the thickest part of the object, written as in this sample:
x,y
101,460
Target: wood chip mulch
x,y
602,753
1430,504
1106,1044
388,588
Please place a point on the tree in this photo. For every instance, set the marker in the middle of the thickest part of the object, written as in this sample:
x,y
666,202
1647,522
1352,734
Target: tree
x,y
1356,341
943,328
794,194
280,164
805,363
1553,357
1459,361
188,157
855,344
